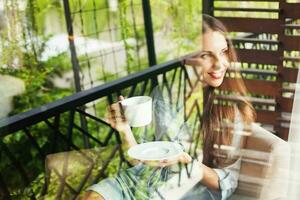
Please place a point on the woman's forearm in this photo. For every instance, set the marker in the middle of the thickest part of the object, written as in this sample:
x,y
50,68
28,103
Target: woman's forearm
x,y
116,119
127,138
210,178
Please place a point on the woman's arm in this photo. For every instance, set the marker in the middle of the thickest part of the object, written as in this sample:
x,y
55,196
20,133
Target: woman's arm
x,y
127,138
118,121
224,180
210,178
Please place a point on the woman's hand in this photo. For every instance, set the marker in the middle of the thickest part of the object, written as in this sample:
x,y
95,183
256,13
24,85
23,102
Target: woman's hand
x,y
196,63
183,158
116,118
192,61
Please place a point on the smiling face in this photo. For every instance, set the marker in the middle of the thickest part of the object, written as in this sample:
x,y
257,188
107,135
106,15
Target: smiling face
x,y
214,59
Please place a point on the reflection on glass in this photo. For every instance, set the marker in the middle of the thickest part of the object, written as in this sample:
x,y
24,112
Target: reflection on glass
x,y
233,156
221,128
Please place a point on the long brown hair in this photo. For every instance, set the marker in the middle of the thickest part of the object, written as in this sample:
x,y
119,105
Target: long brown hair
x,y
214,133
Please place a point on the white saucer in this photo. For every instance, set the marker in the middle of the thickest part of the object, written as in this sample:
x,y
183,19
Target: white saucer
x,y
155,151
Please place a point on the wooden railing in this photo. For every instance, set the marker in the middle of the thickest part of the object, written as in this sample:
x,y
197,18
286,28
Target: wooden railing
x,y
272,52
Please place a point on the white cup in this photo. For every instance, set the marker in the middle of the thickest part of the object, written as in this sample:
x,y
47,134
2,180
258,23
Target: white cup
x,y
138,110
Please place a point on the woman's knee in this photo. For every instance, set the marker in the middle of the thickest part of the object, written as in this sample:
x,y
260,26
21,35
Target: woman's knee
x,y
90,195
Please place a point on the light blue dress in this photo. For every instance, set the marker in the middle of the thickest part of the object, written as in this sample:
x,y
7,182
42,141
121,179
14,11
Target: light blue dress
x,y
141,182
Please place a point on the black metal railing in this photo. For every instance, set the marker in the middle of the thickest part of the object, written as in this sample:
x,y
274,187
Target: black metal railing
x,y
56,127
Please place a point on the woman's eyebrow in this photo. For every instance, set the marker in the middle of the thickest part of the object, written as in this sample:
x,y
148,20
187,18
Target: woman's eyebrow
x,y
203,52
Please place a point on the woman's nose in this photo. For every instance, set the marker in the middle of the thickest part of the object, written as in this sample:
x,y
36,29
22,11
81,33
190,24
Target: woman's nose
x,y
218,62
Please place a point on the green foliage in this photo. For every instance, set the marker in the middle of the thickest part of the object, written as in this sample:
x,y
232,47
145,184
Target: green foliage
x,y
245,4
38,76
10,48
129,18
180,23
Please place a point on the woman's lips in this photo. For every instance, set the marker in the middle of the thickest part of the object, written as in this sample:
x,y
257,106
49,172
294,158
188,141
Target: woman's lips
x,y
216,75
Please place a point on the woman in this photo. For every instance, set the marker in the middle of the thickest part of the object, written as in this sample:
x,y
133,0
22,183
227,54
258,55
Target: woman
x,y
217,56
220,170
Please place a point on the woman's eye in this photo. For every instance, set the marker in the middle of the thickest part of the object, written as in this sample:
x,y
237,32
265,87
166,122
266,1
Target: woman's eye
x,y
204,56
224,52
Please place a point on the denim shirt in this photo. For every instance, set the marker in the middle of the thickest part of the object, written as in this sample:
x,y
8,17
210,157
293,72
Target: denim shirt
x,y
228,179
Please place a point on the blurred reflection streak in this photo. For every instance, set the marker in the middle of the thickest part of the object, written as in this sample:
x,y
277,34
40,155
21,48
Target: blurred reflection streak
x,y
264,169
294,141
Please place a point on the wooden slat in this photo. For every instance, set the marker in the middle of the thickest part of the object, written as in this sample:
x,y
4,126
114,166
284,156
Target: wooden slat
x,y
288,90
291,10
258,56
289,74
266,117
291,42
286,104
253,100
292,26
235,9
250,0
254,41
255,86
283,133
293,59
259,72
250,190
263,116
